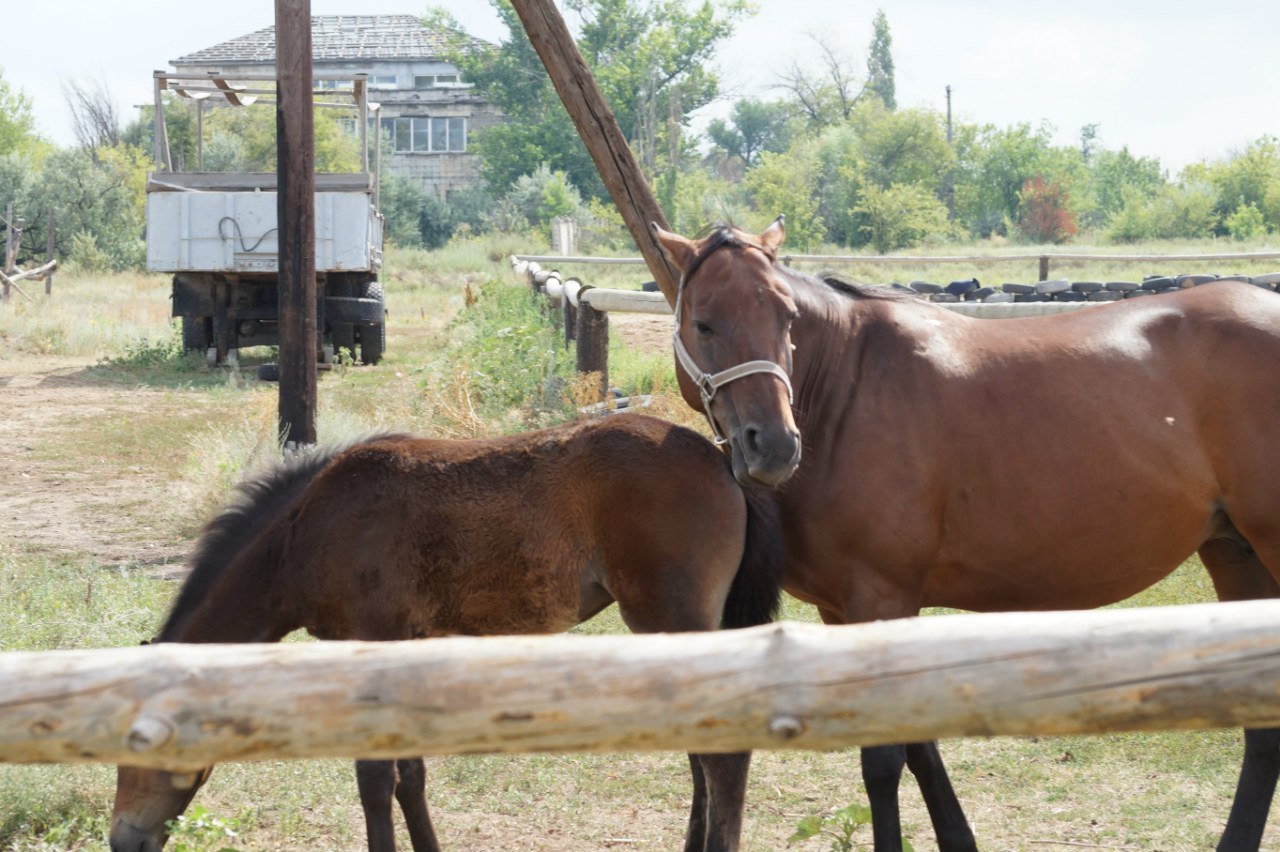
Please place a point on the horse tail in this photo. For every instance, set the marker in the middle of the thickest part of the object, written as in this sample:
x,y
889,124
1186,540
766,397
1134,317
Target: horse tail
x,y
251,524
756,590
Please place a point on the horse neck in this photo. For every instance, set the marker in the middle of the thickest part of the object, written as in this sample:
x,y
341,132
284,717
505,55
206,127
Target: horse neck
x,y
829,337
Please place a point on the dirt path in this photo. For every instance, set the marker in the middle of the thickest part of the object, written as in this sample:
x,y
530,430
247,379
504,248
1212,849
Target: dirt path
x,y
49,504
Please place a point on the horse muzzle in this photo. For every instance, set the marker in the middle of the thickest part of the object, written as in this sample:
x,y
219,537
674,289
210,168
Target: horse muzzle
x,y
765,457
128,838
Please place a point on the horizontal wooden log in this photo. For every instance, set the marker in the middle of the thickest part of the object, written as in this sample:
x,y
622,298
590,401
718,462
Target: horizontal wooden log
x,y
37,272
779,686
626,301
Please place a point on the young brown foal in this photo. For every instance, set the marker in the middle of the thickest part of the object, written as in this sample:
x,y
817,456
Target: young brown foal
x,y
402,538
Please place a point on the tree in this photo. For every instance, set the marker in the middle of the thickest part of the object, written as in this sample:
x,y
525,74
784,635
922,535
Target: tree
x,y
94,118
829,96
651,61
17,125
754,127
1111,173
787,183
901,216
880,62
1046,211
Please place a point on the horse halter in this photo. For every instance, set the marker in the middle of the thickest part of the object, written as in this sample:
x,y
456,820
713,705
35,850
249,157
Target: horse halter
x,y
709,383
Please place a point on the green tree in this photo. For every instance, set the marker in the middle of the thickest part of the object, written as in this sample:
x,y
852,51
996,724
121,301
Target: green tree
x,y
880,62
651,61
787,183
906,146
753,128
1251,177
901,216
993,165
17,125
1111,173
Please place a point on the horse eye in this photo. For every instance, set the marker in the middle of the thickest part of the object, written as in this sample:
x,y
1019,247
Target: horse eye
x,y
702,328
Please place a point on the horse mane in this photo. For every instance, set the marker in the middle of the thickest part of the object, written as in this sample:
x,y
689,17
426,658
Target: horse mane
x,y
256,505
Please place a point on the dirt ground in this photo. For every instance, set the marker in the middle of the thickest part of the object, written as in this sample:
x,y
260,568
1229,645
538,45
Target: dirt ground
x,y
45,503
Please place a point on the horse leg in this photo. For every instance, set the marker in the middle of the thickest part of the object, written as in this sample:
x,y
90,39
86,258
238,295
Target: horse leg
x,y
949,823
1239,574
376,780
724,785
882,774
695,839
411,793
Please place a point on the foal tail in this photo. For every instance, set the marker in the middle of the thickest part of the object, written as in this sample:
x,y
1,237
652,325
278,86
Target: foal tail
x,y
251,523
756,590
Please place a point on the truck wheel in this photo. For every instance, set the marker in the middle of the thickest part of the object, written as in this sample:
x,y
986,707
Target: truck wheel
x,y
373,340
195,334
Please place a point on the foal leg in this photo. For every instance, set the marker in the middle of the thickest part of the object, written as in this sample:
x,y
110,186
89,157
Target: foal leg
x,y
376,780
1239,574
411,793
949,823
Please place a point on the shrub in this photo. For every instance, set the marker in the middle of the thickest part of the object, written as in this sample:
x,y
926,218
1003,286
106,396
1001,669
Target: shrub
x,y
1246,223
1046,216
902,215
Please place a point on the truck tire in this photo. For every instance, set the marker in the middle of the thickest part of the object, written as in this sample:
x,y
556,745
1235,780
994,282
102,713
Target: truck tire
x,y
195,334
373,338
343,335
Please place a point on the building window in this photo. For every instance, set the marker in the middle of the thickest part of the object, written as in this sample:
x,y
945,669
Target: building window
x,y
436,81
421,134
382,81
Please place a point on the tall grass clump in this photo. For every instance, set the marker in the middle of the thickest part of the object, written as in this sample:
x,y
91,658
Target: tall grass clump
x,y
511,357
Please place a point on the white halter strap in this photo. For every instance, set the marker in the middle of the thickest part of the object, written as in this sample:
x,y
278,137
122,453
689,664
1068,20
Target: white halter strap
x,y
709,383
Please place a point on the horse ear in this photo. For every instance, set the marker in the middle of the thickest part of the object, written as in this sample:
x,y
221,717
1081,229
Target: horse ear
x,y
771,238
677,249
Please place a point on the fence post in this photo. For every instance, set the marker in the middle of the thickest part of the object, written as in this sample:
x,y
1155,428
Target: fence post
x,y
48,278
593,344
1044,267
8,249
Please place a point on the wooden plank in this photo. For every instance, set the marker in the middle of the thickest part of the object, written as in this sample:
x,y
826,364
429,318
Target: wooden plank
x,y
625,301
296,216
793,686
600,133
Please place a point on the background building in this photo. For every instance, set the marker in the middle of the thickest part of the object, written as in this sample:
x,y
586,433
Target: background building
x,y
428,111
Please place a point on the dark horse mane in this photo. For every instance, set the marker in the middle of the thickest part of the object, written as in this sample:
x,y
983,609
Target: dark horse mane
x,y
727,234
257,503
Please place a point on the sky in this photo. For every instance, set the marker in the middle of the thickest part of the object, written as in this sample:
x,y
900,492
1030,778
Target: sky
x,y
1178,80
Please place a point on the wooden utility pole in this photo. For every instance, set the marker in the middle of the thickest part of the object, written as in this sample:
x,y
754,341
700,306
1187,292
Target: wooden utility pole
x,y
600,132
296,218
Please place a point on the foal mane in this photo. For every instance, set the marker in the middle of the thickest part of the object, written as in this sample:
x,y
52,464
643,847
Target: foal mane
x,y
258,504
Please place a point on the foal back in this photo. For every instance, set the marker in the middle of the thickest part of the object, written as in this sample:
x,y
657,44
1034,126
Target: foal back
x,y
405,537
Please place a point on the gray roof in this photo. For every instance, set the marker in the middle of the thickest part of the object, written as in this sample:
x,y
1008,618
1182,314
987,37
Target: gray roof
x,y
338,37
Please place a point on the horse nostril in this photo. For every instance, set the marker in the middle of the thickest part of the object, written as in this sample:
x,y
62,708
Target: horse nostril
x,y
751,440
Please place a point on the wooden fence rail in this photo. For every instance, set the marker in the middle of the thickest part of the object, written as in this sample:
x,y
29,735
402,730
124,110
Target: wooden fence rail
x,y
1043,260
792,686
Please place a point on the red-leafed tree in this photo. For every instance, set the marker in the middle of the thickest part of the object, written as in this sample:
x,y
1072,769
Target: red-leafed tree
x,y
1046,215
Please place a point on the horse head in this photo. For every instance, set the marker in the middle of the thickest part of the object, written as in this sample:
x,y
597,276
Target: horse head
x,y
733,343
146,800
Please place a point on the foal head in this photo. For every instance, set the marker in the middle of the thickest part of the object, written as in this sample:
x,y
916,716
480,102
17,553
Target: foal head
x,y
146,799
733,345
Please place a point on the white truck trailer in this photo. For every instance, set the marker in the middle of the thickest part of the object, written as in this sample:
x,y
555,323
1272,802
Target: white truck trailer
x,y
216,232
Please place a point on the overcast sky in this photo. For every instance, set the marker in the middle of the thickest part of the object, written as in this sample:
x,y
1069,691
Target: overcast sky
x,y
1182,80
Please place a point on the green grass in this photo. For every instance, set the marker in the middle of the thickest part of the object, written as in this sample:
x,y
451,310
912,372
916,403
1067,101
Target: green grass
x,y
197,430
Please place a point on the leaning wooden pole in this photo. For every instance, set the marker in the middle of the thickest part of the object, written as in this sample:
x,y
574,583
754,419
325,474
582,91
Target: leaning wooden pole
x,y
296,217
600,132
793,686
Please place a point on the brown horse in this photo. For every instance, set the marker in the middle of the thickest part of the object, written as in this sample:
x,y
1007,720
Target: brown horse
x,y
1028,464
402,537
